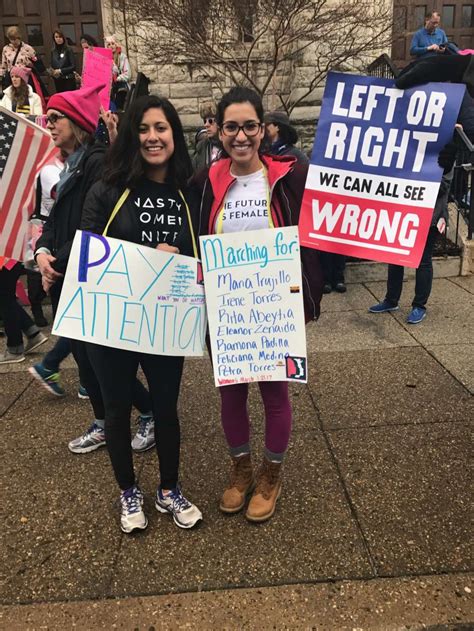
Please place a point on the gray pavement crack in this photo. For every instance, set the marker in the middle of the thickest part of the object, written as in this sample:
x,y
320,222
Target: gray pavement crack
x,y
347,495
20,394
264,584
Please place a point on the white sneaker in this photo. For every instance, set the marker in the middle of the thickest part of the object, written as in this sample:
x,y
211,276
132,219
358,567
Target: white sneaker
x,y
91,440
132,516
185,514
34,342
145,437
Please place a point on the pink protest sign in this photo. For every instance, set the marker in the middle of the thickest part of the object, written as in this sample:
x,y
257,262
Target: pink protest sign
x,y
97,70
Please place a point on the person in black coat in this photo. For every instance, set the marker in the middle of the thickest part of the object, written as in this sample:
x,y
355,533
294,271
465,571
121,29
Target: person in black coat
x,y
72,120
147,168
63,64
283,136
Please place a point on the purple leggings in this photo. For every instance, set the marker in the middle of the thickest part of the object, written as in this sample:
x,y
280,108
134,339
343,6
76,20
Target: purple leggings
x,y
235,418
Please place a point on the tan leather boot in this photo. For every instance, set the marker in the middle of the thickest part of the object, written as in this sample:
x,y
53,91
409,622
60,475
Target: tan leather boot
x,y
263,501
242,482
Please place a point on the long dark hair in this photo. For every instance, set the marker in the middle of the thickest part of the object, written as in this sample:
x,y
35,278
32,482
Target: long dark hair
x,y
89,39
287,135
125,165
61,34
21,94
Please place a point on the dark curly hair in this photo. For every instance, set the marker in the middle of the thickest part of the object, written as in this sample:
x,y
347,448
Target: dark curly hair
x,y
239,94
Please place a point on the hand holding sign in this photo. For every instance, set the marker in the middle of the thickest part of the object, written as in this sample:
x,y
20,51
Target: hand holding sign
x,y
129,296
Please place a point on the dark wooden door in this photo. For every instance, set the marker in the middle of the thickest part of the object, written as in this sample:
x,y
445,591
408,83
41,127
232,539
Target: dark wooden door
x,y
37,19
457,20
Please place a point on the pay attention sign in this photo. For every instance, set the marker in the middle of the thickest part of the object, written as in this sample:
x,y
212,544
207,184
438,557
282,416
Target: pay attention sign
x,y
373,179
133,297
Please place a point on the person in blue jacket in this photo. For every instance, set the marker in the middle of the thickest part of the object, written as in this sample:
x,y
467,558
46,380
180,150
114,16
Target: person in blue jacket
x,y
430,39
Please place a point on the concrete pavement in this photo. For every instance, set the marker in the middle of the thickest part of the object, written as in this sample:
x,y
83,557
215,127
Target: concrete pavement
x,y
371,531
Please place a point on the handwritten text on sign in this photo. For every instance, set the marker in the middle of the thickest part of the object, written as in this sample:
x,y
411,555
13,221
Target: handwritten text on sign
x,y
255,306
132,297
373,179
97,71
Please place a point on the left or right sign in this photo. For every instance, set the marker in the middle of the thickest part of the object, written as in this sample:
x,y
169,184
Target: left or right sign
x,y
373,179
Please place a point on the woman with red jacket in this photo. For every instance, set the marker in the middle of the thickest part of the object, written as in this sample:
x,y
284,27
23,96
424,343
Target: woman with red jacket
x,y
244,177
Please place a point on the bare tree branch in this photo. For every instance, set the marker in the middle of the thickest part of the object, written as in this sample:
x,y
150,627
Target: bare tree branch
x,y
281,48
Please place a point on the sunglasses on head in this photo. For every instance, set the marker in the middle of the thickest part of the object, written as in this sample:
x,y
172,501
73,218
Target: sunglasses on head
x,y
53,118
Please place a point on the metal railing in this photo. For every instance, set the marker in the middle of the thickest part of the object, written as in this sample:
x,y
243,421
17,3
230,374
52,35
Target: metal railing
x,y
462,187
383,67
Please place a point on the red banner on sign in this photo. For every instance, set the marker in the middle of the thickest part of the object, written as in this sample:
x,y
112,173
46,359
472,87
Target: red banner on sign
x,y
364,228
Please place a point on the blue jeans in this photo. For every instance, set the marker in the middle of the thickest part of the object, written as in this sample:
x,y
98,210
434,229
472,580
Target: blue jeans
x,y
423,277
57,354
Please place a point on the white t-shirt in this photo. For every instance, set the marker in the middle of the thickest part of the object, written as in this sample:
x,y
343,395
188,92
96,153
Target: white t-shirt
x,y
49,177
245,205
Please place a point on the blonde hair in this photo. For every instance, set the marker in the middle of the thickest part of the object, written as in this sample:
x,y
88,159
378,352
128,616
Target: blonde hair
x,y
82,136
208,110
109,39
13,32
112,39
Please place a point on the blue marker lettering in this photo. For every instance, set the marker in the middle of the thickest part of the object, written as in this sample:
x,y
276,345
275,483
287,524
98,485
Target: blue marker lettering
x,y
124,272
157,274
79,293
84,262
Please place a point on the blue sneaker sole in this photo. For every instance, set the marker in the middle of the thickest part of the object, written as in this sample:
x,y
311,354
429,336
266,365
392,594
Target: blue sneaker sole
x,y
416,321
387,310
44,383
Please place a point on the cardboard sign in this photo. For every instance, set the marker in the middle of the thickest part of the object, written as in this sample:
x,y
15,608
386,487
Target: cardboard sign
x,y
97,70
129,296
373,179
254,297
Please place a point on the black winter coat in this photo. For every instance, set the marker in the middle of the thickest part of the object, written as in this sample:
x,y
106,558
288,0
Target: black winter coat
x,y
65,217
66,63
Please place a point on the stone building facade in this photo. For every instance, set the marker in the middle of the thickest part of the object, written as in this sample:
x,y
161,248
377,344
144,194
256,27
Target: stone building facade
x,y
187,86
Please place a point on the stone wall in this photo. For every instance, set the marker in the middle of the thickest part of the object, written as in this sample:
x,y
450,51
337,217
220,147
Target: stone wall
x,y
188,86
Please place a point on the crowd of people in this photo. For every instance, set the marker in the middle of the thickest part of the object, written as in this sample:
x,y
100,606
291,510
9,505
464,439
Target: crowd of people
x,y
241,154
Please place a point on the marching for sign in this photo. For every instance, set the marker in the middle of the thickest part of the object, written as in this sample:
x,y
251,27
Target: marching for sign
x,y
133,297
255,306
373,179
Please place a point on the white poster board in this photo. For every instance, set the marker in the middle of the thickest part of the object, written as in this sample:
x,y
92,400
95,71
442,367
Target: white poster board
x,y
133,297
254,299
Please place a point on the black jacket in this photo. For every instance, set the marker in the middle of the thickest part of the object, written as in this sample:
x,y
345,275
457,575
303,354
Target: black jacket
x,y
65,217
66,64
101,201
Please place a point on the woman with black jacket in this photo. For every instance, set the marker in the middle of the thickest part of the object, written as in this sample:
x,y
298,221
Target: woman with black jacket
x,y
72,120
63,64
150,163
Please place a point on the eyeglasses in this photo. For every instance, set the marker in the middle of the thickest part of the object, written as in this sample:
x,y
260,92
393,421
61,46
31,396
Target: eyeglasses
x,y
209,120
250,128
53,118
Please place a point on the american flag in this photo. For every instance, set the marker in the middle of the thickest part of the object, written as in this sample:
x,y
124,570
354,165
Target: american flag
x,y
24,149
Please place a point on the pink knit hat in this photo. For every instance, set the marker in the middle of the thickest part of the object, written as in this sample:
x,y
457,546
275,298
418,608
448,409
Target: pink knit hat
x,y
81,106
21,71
